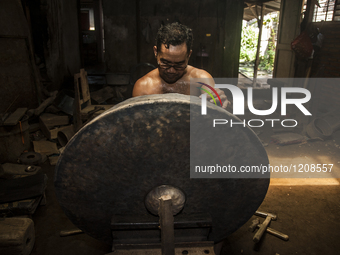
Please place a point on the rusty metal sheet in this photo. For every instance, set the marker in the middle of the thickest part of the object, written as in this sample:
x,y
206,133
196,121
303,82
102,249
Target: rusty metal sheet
x,y
110,165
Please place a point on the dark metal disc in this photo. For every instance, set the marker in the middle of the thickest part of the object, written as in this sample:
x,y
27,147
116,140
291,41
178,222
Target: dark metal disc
x,y
111,164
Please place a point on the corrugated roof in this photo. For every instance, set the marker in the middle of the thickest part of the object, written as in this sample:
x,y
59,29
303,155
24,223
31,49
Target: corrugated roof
x,y
251,5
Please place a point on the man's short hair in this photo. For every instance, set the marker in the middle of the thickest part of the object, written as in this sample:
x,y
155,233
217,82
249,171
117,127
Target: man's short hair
x,y
174,34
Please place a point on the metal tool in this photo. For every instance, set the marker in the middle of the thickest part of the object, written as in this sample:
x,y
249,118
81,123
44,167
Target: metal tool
x,y
152,199
30,169
70,232
166,220
265,214
275,233
264,226
256,224
262,229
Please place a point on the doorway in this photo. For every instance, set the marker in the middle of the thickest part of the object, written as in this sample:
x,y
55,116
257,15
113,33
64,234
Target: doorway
x,y
257,55
91,32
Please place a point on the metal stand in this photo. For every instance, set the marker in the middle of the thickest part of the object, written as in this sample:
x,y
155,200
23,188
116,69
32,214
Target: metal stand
x,y
139,235
198,248
166,220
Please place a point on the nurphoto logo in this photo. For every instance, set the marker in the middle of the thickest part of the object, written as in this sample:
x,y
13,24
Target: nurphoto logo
x,y
238,104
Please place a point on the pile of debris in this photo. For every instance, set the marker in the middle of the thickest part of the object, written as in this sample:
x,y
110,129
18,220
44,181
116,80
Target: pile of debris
x,y
22,129
29,138
321,128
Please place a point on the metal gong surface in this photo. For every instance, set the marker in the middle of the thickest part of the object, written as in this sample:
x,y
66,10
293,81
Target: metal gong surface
x,y
112,163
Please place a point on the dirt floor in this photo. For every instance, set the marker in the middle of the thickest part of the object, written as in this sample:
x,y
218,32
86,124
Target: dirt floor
x,y
308,209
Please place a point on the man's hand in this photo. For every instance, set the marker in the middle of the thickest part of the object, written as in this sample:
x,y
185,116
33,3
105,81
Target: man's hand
x,y
223,97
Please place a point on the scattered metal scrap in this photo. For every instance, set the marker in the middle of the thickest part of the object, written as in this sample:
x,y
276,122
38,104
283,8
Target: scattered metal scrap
x,y
33,158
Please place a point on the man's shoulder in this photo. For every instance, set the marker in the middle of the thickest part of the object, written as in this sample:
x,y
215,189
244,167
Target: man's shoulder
x,y
147,85
198,73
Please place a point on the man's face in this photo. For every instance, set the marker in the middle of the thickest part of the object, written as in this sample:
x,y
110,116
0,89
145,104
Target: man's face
x,y
172,62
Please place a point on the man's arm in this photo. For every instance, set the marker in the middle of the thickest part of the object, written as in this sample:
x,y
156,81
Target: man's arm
x,y
208,79
138,89
204,76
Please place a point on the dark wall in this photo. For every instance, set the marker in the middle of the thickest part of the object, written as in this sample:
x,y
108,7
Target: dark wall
x,y
120,34
62,47
17,82
54,40
327,62
219,18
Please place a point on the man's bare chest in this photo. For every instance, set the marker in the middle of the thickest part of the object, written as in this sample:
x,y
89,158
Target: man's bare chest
x,y
181,88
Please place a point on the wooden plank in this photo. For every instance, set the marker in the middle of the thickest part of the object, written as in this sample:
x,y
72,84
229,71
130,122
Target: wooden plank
x,y
100,96
77,104
54,132
49,124
45,147
288,30
14,118
85,88
45,129
52,120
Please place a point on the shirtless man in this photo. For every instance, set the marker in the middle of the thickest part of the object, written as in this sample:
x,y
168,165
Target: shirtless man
x,y
172,51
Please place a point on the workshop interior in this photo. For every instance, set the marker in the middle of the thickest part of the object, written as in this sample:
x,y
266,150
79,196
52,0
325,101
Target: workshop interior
x,y
88,168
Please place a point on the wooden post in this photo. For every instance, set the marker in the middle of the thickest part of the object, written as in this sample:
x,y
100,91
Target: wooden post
x,y
257,60
138,31
233,14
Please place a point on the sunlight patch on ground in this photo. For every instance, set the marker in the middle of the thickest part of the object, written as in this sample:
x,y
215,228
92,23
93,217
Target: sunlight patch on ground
x,y
304,164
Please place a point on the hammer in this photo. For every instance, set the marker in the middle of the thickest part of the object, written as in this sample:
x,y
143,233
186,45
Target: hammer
x,y
263,227
265,214
275,233
253,226
256,224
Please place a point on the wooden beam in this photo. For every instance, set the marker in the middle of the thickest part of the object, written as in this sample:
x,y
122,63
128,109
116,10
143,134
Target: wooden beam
x,y
257,60
233,16
252,10
271,8
138,30
15,117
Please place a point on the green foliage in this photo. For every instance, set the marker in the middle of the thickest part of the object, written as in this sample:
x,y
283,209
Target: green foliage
x,y
267,61
248,44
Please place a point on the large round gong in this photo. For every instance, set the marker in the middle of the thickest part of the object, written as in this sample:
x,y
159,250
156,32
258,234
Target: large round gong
x,y
111,164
